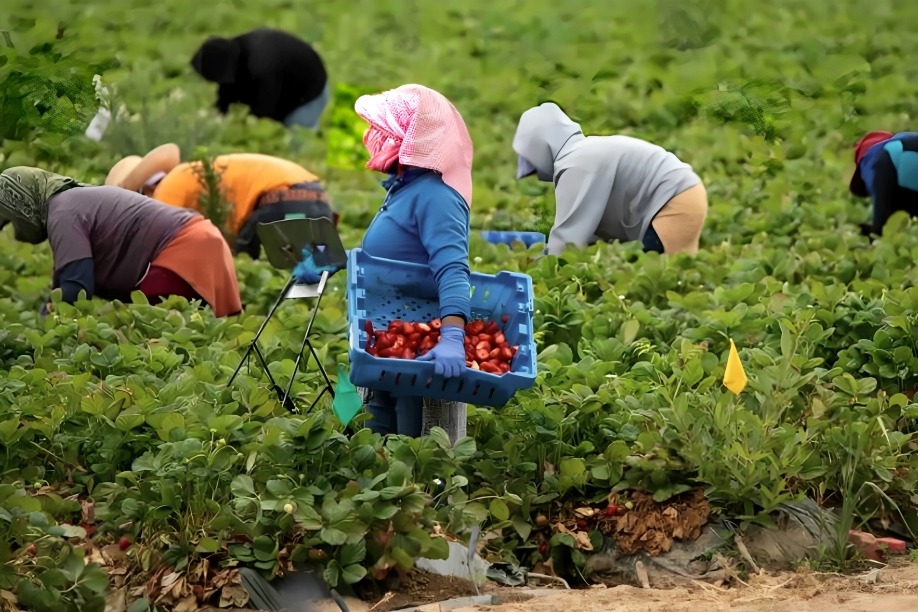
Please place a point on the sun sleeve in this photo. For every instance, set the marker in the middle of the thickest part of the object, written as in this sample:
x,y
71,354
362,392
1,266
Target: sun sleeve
x,y
443,228
581,197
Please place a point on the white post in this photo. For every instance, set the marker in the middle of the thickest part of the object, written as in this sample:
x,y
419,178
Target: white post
x,y
450,416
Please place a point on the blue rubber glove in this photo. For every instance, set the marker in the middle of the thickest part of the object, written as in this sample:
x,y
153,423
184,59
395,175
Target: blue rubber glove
x,y
449,354
308,271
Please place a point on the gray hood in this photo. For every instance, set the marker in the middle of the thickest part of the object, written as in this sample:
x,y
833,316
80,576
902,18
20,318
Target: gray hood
x,y
541,134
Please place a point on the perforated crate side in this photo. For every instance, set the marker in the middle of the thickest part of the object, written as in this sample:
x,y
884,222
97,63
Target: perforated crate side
x,y
378,290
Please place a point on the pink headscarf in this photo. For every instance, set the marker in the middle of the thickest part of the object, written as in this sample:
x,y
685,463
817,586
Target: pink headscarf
x,y
418,126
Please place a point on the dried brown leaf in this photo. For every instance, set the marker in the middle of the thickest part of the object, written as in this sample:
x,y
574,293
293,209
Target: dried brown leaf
x,y
180,588
112,554
116,601
88,511
583,541
233,596
187,604
169,580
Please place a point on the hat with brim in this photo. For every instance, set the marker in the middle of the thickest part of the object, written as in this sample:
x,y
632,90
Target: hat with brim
x,y
857,185
133,172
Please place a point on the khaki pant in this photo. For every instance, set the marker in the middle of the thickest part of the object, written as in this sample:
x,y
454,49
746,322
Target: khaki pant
x,y
679,222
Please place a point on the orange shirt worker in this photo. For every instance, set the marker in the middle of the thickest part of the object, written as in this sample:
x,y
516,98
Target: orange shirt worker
x,y
259,188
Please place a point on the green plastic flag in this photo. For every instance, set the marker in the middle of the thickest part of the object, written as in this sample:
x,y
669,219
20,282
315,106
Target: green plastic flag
x,y
347,400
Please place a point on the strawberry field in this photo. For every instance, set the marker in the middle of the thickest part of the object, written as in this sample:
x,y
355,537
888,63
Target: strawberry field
x,y
129,468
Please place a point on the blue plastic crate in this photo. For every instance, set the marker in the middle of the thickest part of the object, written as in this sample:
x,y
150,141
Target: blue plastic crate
x,y
384,290
527,238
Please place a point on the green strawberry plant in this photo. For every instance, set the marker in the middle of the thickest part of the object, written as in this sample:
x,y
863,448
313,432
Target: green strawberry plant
x,y
124,406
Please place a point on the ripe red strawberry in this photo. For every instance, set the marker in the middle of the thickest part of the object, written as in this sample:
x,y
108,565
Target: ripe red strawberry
x,y
124,543
490,366
486,346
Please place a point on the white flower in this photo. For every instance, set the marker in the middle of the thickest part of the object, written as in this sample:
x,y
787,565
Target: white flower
x,y
103,95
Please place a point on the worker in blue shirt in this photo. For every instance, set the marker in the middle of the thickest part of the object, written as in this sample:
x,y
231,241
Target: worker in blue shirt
x,y
886,170
419,139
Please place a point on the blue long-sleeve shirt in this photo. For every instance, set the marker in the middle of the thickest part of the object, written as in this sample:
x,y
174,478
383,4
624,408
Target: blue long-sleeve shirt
x,y
869,160
424,220
889,170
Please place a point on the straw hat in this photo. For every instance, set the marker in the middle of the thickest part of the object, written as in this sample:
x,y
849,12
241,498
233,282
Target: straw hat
x,y
134,171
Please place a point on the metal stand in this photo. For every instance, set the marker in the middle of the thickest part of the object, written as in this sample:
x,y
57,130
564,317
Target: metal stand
x,y
283,243
291,291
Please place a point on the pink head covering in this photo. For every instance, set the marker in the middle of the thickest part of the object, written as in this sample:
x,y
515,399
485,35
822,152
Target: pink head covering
x,y
418,126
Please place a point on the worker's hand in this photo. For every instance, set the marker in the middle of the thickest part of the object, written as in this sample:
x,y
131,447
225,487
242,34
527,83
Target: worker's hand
x,y
449,354
308,271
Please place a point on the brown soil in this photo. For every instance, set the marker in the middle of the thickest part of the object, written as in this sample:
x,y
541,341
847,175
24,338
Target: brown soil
x,y
422,588
893,588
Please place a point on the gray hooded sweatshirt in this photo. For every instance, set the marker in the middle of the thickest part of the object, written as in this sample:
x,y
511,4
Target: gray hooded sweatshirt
x,y
606,187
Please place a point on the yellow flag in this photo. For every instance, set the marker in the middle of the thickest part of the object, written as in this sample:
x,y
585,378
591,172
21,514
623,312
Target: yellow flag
x,y
734,376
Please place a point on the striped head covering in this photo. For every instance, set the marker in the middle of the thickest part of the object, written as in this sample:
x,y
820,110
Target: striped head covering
x,y
24,195
417,126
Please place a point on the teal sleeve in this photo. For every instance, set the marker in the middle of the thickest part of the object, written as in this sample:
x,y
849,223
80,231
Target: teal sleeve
x,y
443,227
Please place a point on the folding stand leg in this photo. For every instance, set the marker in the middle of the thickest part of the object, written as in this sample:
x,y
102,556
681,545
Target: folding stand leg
x,y
287,402
254,344
306,342
328,388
